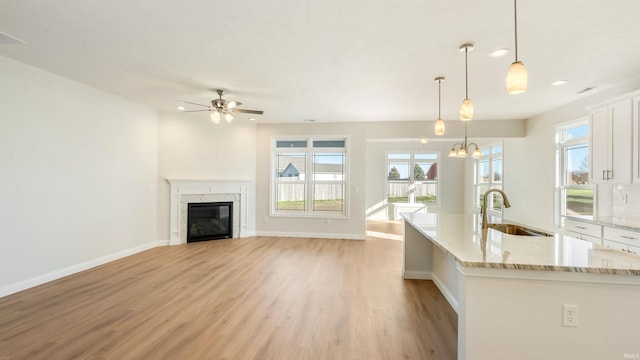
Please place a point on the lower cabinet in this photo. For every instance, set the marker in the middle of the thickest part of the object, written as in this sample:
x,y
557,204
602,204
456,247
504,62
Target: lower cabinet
x,y
620,239
584,231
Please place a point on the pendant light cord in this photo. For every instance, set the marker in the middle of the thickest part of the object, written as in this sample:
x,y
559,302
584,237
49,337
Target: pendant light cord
x,y
466,74
515,19
439,98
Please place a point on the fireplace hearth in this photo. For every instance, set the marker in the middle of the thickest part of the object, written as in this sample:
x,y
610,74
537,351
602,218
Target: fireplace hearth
x,y
209,221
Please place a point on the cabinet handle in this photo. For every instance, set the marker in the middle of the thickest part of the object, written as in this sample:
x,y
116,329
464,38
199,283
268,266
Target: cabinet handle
x,y
627,237
608,175
581,227
603,174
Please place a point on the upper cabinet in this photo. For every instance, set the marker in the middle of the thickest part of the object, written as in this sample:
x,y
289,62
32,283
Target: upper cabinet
x,y
612,144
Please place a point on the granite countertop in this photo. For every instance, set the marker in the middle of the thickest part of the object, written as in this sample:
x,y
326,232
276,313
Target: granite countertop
x,y
461,236
626,223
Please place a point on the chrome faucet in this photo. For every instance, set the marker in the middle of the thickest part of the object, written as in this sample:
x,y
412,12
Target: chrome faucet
x,y
483,209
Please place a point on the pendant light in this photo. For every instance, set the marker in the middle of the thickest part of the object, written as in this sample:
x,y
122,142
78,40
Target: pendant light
x,y
439,128
517,76
461,150
466,110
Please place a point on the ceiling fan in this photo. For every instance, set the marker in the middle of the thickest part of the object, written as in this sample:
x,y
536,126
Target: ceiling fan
x,y
221,108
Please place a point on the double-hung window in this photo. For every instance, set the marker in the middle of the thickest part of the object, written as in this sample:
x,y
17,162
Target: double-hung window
x,y
412,177
572,168
310,177
488,175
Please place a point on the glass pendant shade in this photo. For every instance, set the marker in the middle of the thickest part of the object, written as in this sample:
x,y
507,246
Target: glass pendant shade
x,y
466,110
476,153
517,78
462,152
453,152
215,117
439,128
228,117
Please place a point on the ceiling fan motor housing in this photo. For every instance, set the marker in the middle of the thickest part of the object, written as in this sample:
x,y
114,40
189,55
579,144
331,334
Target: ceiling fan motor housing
x,y
218,103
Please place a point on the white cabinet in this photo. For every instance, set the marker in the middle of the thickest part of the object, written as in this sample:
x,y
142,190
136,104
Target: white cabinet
x,y
584,231
611,143
620,239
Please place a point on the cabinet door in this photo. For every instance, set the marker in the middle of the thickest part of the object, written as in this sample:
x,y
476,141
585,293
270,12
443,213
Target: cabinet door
x,y
599,149
620,165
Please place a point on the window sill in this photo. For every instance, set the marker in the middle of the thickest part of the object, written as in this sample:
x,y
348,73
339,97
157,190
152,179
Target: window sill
x,y
310,216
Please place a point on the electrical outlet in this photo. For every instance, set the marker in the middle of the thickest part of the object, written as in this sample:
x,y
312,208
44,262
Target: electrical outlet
x,y
570,315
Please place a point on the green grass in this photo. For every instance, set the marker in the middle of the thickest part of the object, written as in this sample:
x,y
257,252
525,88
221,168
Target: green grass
x,y
579,201
319,205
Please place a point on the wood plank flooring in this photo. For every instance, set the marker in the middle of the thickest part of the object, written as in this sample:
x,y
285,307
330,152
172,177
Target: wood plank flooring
x,y
251,298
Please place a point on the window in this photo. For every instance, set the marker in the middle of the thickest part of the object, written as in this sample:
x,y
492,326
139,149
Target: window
x,y
309,177
412,177
575,194
488,175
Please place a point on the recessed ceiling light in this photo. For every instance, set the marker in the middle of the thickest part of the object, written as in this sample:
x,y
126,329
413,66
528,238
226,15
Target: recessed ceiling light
x,y
585,90
559,82
252,119
499,53
424,141
180,107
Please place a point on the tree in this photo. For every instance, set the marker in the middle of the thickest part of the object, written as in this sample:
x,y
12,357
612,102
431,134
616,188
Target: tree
x,y
394,174
418,173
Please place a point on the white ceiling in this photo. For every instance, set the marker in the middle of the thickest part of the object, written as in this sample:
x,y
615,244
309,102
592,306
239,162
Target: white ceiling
x,y
330,60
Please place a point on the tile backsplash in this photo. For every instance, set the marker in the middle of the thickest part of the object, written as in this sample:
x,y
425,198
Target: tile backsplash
x,y
625,200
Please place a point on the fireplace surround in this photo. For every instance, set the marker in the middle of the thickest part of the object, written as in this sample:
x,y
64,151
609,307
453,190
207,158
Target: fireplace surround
x,y
183,192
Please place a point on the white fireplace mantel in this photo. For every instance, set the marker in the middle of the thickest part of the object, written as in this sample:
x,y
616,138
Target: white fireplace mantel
x,y
190,191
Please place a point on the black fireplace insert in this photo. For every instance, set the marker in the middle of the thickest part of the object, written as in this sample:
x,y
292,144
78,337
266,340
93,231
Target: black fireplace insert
x,y
209,221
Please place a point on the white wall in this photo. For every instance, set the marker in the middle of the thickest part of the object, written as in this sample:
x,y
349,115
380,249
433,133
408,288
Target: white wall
x,y
529,162
192,147
78,176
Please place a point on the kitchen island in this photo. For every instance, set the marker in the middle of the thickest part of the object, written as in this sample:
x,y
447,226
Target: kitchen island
x,y
509,291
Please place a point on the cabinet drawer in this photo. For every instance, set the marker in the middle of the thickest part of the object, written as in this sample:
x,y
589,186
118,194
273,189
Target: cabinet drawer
x,y
615,245
594,239
623,236
583,228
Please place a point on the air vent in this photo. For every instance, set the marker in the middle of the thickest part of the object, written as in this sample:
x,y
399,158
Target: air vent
x,y
6,39
585,90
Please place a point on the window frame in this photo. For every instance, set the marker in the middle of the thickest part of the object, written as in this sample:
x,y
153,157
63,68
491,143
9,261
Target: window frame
x,y
411,198
309,182
561,145
489,155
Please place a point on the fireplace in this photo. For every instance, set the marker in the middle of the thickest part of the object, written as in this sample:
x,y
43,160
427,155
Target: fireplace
x,y
209,221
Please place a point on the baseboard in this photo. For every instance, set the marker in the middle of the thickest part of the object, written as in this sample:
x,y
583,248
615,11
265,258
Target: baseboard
x,y
57,274
416,275
311,235
446,293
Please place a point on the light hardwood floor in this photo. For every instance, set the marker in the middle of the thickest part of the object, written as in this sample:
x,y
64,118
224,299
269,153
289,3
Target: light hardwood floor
x,y
251,298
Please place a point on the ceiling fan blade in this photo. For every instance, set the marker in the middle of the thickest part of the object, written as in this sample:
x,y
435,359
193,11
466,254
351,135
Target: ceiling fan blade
x,y
257,112
187,102
184,111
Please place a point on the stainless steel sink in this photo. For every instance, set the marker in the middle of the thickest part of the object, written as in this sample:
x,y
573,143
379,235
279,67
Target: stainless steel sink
x,y
513,229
